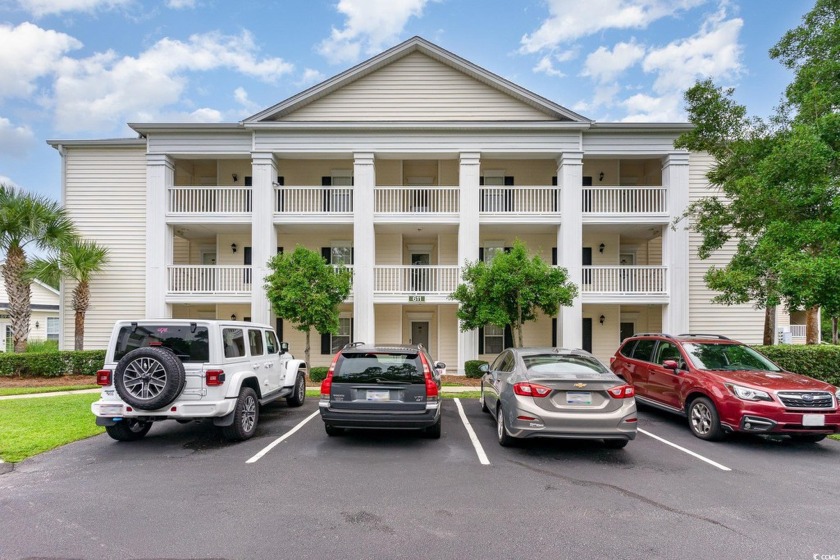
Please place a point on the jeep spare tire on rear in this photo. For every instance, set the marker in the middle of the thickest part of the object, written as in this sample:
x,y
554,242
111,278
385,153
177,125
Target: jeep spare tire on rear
x,y
149,378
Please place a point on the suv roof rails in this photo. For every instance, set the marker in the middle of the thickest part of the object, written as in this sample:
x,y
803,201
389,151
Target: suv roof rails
x,y
353,344
653,334
706,335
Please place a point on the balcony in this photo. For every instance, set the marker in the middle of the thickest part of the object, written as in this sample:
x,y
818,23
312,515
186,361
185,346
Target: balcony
x,y
624,284
307,203
612,204
406,284
422,203
501,204
201,283
203,203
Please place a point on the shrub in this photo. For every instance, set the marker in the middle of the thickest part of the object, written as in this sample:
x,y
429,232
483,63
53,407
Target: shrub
x,y
318,374
818,361
471,368
52,364
37,346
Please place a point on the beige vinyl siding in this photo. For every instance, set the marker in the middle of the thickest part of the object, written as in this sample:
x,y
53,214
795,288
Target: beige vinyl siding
x,y
417,88
448,249
105,196
388,324
389,249
447,349
742,322
297,172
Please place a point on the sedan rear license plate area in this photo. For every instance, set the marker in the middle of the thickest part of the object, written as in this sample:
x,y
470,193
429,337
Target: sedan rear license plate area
x,y
578,397
378,396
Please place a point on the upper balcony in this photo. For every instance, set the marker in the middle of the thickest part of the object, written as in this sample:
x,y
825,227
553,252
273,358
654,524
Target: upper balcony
x,y
228,204
609,204
423,204
313,203
624,284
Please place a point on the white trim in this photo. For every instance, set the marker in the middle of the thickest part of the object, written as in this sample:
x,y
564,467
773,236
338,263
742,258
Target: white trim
x,y
413,316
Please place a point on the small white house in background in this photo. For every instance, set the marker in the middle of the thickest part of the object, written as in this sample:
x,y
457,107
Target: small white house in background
x,y
44,323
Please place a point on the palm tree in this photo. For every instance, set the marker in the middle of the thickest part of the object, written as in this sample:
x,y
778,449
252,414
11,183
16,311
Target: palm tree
x,y
78,260
27,219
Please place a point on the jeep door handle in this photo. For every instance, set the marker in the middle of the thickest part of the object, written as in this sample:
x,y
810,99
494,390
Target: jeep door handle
x,y
255,366
269,365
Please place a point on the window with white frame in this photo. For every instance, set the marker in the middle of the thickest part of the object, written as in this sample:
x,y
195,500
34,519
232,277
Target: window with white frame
x,y
53,328
493,248
340,339
341,253
494,339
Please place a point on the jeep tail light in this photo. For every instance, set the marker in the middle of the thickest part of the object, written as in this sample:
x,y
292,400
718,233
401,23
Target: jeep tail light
x,y
431,386
214,377
326,384
103,377
524,389
622,392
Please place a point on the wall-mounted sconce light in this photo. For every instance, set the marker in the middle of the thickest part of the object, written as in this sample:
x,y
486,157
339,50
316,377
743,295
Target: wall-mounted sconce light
x,y
601,176
233,317
37,324
236,177
601,319
601,248
233,247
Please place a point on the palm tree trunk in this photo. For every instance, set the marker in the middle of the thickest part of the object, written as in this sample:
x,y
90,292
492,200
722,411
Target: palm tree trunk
x,y
812,325
81,302
769,324
19,294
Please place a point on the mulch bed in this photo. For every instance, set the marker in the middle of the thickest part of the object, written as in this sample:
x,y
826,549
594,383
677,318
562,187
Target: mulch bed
x,y
47,381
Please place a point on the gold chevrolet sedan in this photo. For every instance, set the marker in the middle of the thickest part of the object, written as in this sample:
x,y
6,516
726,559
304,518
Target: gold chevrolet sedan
x,y
557,393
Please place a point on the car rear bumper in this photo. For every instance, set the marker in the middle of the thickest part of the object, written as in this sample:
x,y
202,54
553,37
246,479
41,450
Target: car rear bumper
x,y
617,424
182,410
380,420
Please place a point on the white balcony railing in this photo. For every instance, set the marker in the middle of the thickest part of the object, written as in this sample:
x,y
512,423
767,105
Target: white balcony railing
x,y
624,280
798,331
209,280
314,200
519,200
624,200
209,200
417,200
440,280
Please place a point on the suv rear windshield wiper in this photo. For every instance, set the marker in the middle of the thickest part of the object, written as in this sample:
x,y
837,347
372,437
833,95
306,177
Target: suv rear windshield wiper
x,y
392,382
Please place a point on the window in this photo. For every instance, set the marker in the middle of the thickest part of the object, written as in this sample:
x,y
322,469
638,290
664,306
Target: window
x,y
271,346
255,342
234,341
10,342
339,340
643,350
494,339
666,351
52,328
190,345
342,254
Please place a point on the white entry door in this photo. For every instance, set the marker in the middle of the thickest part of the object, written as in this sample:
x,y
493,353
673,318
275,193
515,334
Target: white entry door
x,y
420,333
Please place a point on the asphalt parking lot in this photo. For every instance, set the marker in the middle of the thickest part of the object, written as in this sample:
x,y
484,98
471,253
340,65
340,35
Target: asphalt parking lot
x,y
293,492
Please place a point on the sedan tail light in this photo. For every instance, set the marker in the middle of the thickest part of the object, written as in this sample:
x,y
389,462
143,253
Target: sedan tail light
x,y
524,389
103,377
326,384
622,392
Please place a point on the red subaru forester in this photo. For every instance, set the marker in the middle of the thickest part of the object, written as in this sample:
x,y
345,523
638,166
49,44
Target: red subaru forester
x,y
723,386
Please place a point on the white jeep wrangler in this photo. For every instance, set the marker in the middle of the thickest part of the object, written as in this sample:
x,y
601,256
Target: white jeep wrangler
x,y
184,369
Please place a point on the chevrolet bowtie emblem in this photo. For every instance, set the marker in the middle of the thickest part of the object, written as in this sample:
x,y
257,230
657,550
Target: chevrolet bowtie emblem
x,y
580,385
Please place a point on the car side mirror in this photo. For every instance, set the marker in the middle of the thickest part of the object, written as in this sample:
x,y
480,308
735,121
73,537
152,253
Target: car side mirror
x,y
484,368
440,365
671,364
284,347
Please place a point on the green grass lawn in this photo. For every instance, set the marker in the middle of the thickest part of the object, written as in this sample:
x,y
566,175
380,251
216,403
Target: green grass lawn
x,y
32,426
4,391
835,436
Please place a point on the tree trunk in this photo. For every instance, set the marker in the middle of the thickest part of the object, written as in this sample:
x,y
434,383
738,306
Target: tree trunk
x,y
834,333
519,327
769,324
19,294
79,332
812,325
306,348
81,301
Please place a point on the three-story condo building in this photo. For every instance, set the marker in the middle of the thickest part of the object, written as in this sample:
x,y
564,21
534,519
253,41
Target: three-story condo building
x,y
404,167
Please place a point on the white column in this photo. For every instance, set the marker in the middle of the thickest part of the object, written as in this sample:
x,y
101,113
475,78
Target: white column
x,y
675,249
263,232
364,243
468,241
160,175
570,243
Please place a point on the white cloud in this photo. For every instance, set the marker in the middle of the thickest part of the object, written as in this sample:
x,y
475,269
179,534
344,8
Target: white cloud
x,y
241,97
180,4
29,53
572,19
40,8
98,92
712,52
546,63
310,77
371,25
205,115
646,108
15,141
605,65
8,182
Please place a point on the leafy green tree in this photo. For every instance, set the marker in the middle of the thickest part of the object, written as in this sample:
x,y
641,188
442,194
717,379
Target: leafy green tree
x,y
510,290
306,291
77,261
27,220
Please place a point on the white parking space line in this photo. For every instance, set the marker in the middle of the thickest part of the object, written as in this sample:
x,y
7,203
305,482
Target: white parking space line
x,y
482,456
279,440
684,450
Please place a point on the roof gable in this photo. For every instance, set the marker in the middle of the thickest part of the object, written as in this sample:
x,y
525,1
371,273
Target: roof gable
x,y
416,81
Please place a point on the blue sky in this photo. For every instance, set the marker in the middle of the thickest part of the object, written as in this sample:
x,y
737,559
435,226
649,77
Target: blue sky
x,y
83,68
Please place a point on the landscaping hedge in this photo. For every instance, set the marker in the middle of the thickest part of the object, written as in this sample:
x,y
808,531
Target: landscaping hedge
x,y
819,361
52,364
471,368
318,374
